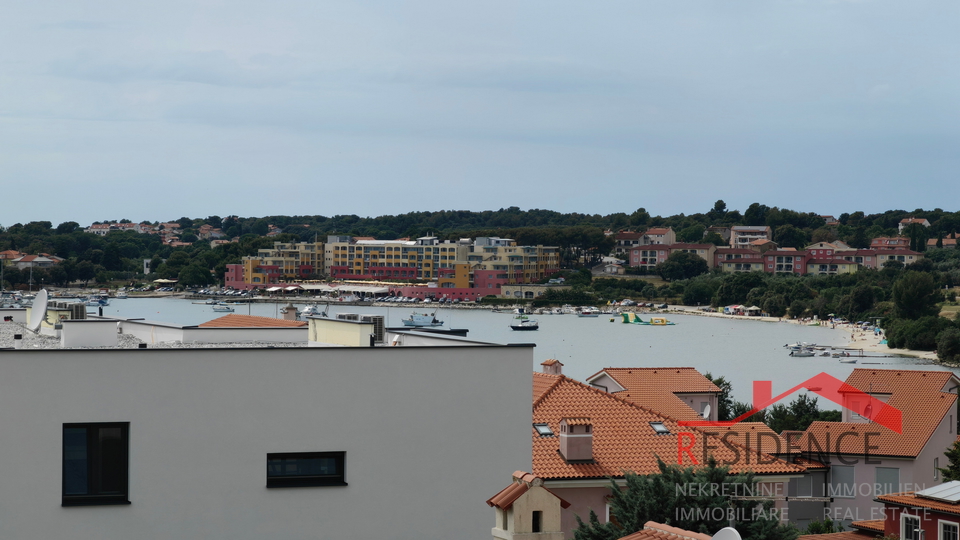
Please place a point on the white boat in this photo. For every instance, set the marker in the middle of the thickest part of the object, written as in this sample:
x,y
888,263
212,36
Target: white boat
x,y
313,311
121,295
422,320
588,312
222,308
802,353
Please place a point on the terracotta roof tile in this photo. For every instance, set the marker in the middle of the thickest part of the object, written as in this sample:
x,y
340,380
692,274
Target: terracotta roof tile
x,y
655,388
522,482
809,463
873,525
623,439
251,321
918,395
658,531
908,498
550,362
542,382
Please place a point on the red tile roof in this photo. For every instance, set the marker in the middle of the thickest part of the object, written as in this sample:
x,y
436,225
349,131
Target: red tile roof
x,y
522,482
909,499
543,382
623,439
251,321
657,230
656,388
918,395
658,531
873,525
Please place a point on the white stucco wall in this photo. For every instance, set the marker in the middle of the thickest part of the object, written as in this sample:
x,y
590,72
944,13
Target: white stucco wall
x,y
428,435
154,332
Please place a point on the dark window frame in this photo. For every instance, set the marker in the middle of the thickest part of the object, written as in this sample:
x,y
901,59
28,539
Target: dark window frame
x,y
96,495
338,479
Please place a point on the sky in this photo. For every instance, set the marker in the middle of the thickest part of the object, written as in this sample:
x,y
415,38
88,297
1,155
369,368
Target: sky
x,y
155,111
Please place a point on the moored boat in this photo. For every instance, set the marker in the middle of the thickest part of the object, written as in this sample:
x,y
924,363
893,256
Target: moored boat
x,y
526,324
422,320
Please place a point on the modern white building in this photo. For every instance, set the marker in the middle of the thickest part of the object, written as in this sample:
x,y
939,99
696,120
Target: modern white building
x,y
253,443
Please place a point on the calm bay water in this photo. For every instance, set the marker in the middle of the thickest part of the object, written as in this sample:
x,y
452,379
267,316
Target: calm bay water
x,y
740,350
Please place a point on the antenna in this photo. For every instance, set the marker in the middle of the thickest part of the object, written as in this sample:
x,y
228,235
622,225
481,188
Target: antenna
x,y
38,311
706,411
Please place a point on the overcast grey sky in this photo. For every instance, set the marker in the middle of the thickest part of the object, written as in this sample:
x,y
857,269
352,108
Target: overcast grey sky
x,y
153,111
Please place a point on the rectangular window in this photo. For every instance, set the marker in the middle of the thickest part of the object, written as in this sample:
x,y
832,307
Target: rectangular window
x,y
305,469
537,525
909,527
949,530
842,482
936,468
887,480
95,464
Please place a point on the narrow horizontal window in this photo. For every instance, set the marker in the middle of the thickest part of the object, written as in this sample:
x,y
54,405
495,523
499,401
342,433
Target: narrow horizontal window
x,y
305,469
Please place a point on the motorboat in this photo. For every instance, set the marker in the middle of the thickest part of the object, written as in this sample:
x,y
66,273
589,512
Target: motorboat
x,y
848,359
422,320
802,353
222,308
526,324
121,295
313,311
588,312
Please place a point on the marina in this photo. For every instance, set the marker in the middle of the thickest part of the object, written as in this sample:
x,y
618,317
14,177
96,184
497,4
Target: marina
x,y
741,350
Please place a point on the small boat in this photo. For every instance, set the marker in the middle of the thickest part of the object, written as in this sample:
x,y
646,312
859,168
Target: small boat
x,y
121,295
802,353
313,311
588,312
526,324
222,308
422,320
848,360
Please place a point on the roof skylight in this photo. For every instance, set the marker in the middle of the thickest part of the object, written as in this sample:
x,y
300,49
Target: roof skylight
x,y
659,428
543,430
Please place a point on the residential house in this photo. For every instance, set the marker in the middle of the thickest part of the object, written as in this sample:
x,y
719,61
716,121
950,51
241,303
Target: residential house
x,y
659,235
931,513
785,261
583,436
867,459
680,393
649,256
947,243
830,221
626,240
724,232
742,235
33,261
906,222
822,266
890,242
6,257
905,256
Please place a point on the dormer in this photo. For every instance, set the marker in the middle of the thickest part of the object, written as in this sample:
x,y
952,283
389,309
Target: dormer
x,y
576,440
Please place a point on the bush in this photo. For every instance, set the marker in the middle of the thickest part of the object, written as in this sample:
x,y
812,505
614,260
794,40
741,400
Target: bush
x,y
948,346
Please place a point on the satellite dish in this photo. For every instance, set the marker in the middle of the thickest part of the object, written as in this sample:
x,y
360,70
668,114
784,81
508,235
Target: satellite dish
x,y
38,311
726,533
706,411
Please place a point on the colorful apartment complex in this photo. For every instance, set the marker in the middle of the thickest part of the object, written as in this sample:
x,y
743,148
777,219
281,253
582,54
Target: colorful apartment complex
x,y
464,269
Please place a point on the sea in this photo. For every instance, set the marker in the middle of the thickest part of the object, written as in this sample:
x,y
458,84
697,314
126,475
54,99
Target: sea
x,y
742,351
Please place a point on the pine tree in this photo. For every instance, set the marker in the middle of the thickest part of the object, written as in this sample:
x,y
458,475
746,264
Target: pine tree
x,y
952,471
673,497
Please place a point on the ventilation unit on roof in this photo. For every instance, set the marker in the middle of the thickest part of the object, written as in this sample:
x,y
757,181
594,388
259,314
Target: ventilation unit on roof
x,y
378,326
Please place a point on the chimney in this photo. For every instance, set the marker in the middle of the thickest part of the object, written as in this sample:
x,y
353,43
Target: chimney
x,y
576,439
18,341
552,367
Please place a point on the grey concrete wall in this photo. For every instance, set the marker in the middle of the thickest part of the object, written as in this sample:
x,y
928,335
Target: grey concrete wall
x,y
428,433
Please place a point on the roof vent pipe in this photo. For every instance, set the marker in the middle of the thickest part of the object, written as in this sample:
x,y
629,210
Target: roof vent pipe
x,y
18,341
